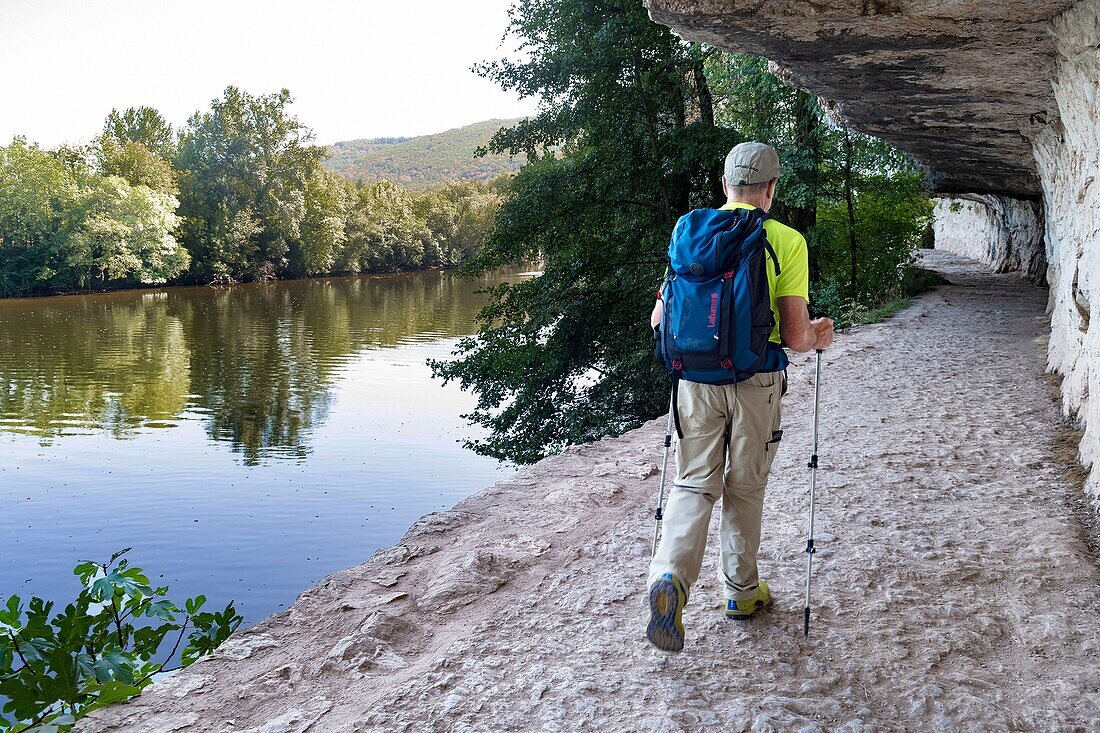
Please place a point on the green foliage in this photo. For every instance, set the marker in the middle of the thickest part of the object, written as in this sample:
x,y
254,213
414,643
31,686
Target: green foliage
x,y
623,144
426,161
257,203
136,163
244,167
63,227
392,228
124,235
240,195
101,648
752,100
38,197
459,217
143,125
323,229
384,233
872,214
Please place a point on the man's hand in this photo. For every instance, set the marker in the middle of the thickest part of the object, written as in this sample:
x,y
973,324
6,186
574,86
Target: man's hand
x,y
823,329
657,314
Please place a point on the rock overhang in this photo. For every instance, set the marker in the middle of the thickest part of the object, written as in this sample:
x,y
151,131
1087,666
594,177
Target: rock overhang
x,y
963,86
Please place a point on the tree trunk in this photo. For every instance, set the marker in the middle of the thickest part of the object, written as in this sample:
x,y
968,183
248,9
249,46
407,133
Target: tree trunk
x,y
706,116
853,244
808,141
672,207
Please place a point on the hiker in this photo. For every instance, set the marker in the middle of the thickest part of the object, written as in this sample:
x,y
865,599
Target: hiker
x,y
727,418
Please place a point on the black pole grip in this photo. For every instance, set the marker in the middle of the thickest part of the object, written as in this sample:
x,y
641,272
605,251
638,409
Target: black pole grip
x,y
806,621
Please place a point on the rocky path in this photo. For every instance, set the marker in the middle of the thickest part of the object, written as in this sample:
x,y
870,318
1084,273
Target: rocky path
x,y
954,587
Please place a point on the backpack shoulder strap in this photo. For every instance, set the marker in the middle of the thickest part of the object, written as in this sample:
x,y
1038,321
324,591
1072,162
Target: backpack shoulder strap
x,y
768,245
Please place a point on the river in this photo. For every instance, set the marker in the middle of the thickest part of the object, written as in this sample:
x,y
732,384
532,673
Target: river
x,y
244,441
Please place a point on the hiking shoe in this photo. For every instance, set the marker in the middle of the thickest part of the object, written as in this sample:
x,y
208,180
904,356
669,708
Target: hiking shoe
x,y
667,599
741,610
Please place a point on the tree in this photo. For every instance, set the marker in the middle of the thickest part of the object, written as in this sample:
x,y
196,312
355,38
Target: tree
x,y
125,234
38,196
384,232
859,201
62,226
458,216
143,125
136,163
243,190
323,228
244,167
872,215
624,143
751,99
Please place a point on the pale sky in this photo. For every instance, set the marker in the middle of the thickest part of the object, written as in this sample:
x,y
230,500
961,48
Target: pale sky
x,y
370,68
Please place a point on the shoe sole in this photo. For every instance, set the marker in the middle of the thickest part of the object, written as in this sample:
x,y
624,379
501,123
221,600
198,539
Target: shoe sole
x,y
666,627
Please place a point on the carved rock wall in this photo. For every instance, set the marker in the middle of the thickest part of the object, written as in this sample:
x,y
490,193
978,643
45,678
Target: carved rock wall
x,y
1003,232
1067,154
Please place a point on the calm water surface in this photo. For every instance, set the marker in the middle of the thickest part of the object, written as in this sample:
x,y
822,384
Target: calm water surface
x,y
245,441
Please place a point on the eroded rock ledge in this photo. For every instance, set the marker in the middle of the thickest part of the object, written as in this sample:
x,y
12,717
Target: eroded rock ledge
x,y
964,86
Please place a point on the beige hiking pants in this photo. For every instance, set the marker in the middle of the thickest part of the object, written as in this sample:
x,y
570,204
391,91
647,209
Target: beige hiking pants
x,y
726,452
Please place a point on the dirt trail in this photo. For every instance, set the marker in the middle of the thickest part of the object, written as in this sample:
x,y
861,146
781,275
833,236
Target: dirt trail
x,y
954,589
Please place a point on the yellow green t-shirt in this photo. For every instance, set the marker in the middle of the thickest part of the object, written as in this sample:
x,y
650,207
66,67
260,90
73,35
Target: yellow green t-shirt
x,y
794,263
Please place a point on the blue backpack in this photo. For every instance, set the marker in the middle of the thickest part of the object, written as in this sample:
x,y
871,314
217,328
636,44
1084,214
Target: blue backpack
x,y
717,305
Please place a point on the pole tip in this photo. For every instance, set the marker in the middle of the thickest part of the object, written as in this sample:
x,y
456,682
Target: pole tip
x,y
806,621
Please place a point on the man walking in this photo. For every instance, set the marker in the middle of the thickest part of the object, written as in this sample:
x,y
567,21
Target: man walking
x,y
729,433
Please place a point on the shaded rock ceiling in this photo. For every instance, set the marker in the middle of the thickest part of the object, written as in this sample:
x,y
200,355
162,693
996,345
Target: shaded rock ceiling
x,y
962,85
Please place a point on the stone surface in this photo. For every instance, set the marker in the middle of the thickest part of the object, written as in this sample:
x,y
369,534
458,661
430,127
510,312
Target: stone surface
x,y
952,590
963,85
1004,233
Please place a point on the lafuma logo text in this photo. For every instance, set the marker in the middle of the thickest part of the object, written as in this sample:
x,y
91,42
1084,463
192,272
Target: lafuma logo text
x,y
712,317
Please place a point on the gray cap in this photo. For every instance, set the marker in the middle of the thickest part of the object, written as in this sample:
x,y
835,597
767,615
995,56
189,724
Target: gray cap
x,y
750,163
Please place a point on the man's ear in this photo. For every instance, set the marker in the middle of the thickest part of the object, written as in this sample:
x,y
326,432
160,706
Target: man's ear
x,y
771,187
725,188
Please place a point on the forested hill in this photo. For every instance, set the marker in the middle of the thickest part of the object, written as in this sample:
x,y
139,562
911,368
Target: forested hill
x,y
428,160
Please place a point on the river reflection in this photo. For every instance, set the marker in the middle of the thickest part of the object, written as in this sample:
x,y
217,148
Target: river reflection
x,y
245,441
254,363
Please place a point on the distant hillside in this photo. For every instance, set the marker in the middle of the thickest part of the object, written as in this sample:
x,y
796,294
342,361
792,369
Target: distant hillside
x,y
428,160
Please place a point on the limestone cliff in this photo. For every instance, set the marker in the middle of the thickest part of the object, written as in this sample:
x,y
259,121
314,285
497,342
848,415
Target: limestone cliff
x,y
1001,101
1068,157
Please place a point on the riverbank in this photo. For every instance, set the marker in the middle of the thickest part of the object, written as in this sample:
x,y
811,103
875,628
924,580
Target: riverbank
x,y
141,288
954,588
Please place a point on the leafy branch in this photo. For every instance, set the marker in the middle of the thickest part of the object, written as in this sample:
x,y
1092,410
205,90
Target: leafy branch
x,y
56,668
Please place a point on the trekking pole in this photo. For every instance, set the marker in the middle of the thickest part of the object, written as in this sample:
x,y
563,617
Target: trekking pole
x,y
659,514
813,486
